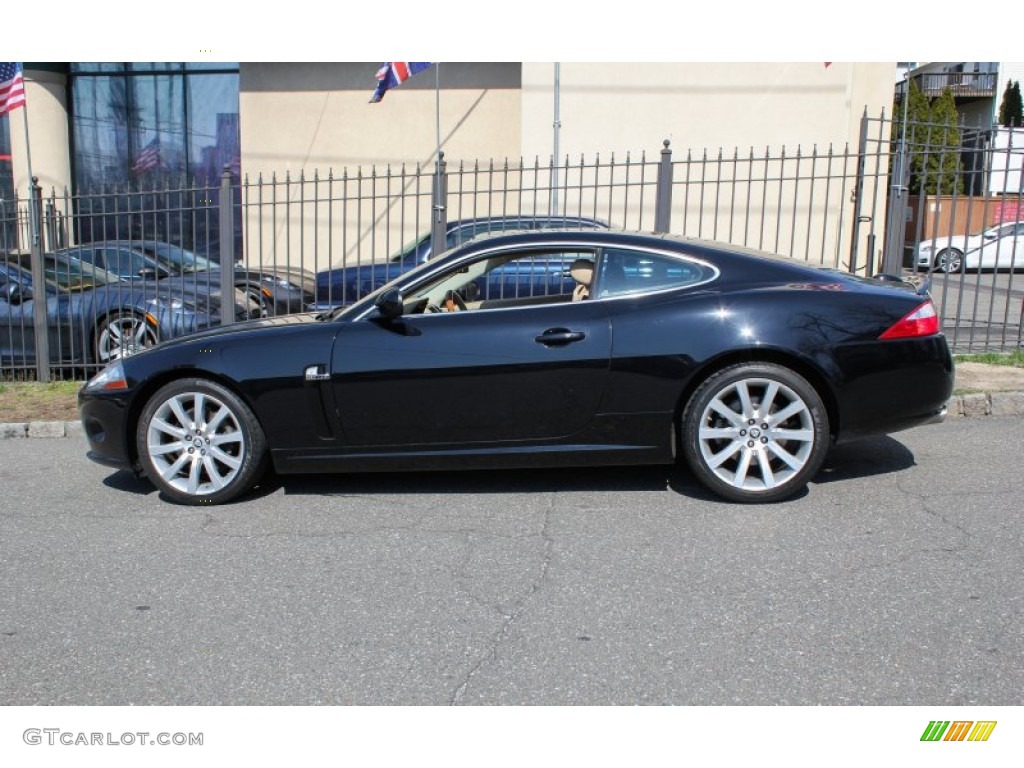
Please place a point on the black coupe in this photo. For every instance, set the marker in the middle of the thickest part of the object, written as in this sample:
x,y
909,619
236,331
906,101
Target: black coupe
x,y
539,349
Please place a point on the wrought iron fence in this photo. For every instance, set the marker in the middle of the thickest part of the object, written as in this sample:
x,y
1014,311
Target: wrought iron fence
x,y
125,268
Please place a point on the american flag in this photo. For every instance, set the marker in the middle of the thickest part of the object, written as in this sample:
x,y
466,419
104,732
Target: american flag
x,y
393,73
149,157
12,86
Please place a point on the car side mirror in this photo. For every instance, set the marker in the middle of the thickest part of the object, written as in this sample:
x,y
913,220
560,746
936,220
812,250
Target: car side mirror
x,y
148,273
390,305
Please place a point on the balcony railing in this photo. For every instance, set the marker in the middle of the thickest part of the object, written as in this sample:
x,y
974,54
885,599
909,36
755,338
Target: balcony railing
x,y
967,85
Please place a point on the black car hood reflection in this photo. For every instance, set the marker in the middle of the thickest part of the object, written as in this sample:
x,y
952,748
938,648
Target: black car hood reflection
x,y
237,329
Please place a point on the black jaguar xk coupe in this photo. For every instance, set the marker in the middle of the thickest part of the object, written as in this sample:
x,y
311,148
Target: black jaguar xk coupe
x,y
539,349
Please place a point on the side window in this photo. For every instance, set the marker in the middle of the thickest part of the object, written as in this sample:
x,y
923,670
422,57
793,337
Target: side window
x,y
500,281
88,255
123,263
623,272
547,274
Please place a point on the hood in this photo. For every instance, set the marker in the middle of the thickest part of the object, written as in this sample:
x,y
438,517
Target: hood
x,y
244,328
305,279
205,296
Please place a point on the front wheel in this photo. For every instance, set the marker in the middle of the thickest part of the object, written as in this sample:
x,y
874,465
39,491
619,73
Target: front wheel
x,y
260,305
755,432
199,443
121,334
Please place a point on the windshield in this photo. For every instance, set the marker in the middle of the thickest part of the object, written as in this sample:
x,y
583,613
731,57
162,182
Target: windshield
x,y
410,248
69,274
179,259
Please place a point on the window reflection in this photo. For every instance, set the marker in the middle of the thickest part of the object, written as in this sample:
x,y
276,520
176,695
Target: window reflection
x,y
8,209
164,132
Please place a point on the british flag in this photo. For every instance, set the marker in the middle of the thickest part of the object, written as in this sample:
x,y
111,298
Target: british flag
x,y
393,73
12,86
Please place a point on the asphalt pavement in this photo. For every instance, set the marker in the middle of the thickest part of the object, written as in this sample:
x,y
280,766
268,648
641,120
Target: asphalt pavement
x,y
894,580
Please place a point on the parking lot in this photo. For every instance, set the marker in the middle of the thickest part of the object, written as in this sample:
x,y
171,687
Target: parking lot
x,y
980,311
894,580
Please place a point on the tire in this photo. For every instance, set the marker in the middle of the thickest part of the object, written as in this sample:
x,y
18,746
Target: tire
x,y
744,454
256,296
122,334
949,260
208,461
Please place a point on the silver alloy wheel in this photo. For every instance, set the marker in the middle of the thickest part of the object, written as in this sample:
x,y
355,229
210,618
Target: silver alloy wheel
x,y
258,305
756,434
122,335
196,443
949,260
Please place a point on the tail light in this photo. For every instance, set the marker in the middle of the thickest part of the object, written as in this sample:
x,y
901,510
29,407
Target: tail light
x,y
923,321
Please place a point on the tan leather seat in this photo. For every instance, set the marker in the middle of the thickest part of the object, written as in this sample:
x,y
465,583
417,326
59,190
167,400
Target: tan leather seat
x,y
582,271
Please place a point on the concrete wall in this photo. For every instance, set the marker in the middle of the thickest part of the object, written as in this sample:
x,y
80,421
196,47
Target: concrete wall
x,y
314,120
742,110
615,107
316,117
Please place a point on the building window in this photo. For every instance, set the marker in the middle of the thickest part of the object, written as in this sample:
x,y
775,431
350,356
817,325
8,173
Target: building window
x,y
8,208
149,127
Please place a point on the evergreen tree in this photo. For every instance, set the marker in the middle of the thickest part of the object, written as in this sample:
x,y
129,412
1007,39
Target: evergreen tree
x,y
1011,110
945,171
933,144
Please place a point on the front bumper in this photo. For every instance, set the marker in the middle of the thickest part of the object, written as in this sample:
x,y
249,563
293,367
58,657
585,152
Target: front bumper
x,y
104,419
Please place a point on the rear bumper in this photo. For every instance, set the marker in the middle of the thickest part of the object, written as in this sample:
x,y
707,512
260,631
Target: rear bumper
x,y
889,386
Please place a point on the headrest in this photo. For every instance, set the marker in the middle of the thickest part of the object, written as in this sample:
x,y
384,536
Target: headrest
x,y
582,271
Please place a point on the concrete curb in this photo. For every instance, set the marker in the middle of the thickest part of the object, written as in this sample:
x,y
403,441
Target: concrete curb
x,y
25,429
960,406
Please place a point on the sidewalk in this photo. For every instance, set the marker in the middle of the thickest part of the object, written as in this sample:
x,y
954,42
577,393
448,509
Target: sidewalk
x,y
984,390
987,390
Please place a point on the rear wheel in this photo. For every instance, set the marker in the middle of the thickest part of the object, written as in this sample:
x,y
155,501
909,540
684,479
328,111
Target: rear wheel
x,y
755,432
199,443
949,260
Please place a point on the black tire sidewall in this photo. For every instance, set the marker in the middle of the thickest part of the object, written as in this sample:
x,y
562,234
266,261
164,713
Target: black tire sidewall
x,y
253,463
706,392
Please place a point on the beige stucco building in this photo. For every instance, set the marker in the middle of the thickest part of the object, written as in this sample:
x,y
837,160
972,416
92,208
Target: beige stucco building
x,y
316,116
313,120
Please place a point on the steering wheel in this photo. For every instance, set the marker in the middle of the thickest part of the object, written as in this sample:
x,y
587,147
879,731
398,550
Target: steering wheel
x,y
453,302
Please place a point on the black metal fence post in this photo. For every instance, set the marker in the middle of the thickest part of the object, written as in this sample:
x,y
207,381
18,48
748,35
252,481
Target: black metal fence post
x,y
896,218
439,208
858,195
227,248
40,326
663,192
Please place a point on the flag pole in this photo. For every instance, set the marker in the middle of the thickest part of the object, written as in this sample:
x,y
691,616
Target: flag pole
x,y
35,226
28,148
438,220
40,322
557,123
437,105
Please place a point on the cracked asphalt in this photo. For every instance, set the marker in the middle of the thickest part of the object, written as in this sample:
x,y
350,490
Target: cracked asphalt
x,y
895,580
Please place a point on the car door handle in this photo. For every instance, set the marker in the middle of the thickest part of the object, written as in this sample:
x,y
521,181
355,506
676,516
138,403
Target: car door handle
x,y
558,336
